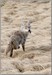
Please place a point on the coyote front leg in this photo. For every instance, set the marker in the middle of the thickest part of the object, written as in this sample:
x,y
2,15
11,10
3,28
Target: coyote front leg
x,y
23,46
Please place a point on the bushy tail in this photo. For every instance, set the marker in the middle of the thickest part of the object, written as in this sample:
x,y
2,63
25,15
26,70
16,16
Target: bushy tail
x,y
8,48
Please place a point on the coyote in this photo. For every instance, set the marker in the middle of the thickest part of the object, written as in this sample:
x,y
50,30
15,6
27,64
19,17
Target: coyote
x,y
19,37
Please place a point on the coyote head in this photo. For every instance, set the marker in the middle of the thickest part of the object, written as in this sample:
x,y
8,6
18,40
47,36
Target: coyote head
x,y
26,27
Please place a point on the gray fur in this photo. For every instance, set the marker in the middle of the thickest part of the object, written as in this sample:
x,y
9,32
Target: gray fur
x,y
19,37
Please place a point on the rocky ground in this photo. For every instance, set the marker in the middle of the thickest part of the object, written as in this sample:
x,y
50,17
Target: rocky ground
x,y
37,57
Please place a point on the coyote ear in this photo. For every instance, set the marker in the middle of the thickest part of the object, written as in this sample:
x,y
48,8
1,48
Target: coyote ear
x,y
22,26
29,26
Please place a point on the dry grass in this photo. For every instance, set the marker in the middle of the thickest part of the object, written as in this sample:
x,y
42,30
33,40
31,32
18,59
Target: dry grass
x,y
37,57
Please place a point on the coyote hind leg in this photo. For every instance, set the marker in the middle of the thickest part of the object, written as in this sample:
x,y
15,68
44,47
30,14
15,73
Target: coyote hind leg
x,y
11,52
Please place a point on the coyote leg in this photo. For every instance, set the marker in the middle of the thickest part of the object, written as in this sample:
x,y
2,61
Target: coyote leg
x,y
23,46
11,52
